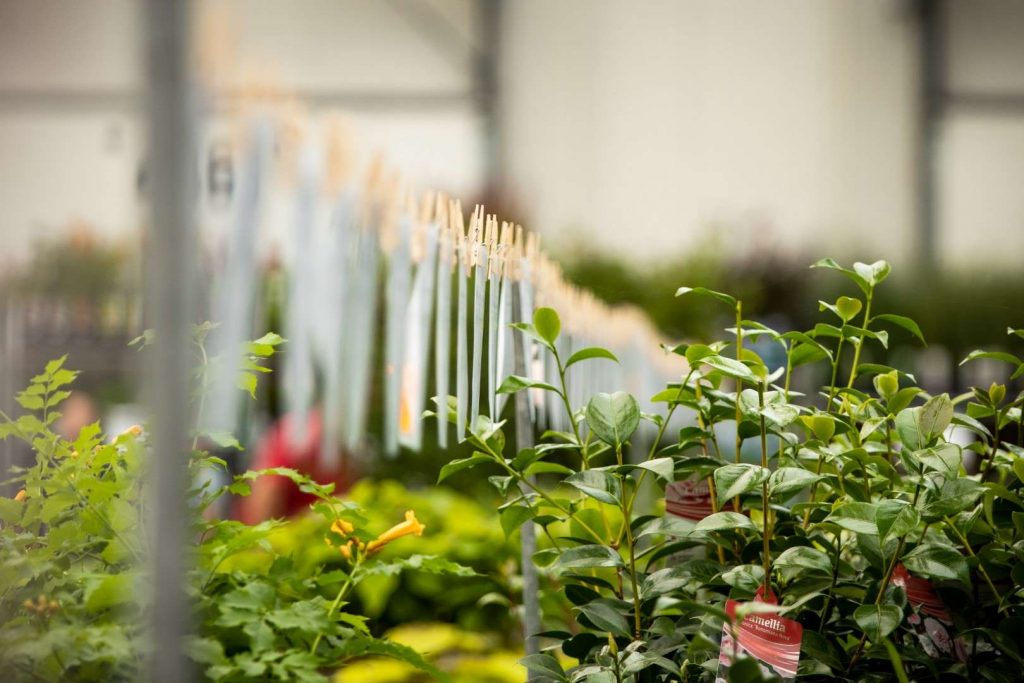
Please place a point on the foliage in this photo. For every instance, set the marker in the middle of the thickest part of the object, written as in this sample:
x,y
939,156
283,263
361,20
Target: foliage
x,y
73,552
866,479
462,530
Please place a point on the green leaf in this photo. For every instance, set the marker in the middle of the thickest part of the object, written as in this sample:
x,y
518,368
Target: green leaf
x,y
786,481
730,368
513,517
462,464
908,428
736,479
597,484
662,467
546,468
935,416
222,438
847,308
586,556
111,590
431,564
873,273
724,521
704,291
902,321
856,517
895,518
878,621
590,352
935,561
605,618
613,417
992,355
804,559
545,664
514,383
955,496
857,278
547,324
944,458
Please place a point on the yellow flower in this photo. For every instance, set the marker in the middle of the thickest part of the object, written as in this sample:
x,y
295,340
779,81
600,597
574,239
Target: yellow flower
x,y
410,526
342,527
134,430
20,495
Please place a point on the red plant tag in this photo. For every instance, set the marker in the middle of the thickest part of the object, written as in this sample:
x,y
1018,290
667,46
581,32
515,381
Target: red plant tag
x,y
689,499
929,617
773,640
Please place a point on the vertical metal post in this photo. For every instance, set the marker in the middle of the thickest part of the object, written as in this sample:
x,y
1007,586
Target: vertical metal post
x,y
527,532
487,86
932,94
170,252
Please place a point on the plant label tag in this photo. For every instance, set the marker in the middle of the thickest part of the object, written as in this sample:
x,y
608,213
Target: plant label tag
x,y
689,499
929,617
772,640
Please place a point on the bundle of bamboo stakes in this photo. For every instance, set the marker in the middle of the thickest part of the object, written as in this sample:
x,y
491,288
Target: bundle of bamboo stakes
x,y
358,249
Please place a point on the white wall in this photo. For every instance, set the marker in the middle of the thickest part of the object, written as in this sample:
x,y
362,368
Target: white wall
x,y
70,139
644,125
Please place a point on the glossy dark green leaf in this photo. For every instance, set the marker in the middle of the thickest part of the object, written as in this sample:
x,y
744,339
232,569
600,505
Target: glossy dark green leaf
x,y
934,561
738,478
878,621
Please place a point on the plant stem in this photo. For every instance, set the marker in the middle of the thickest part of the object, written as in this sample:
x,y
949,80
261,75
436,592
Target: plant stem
x,y
878,598
548,499
835,372
337,601
860,340
970,551
739,383
564,393
765,502
627,512
826,610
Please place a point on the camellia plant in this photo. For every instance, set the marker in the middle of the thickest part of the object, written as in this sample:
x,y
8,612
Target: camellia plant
x,y
74,594
881,530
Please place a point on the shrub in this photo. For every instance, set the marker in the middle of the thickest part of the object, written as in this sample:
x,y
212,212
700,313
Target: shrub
x,y
864,517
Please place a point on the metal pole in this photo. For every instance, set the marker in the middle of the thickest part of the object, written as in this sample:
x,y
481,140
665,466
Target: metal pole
x,y
527,532
170,252
931,106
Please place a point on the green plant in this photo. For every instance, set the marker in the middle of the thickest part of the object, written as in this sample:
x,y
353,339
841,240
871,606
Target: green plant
x,y
73,550
860,491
